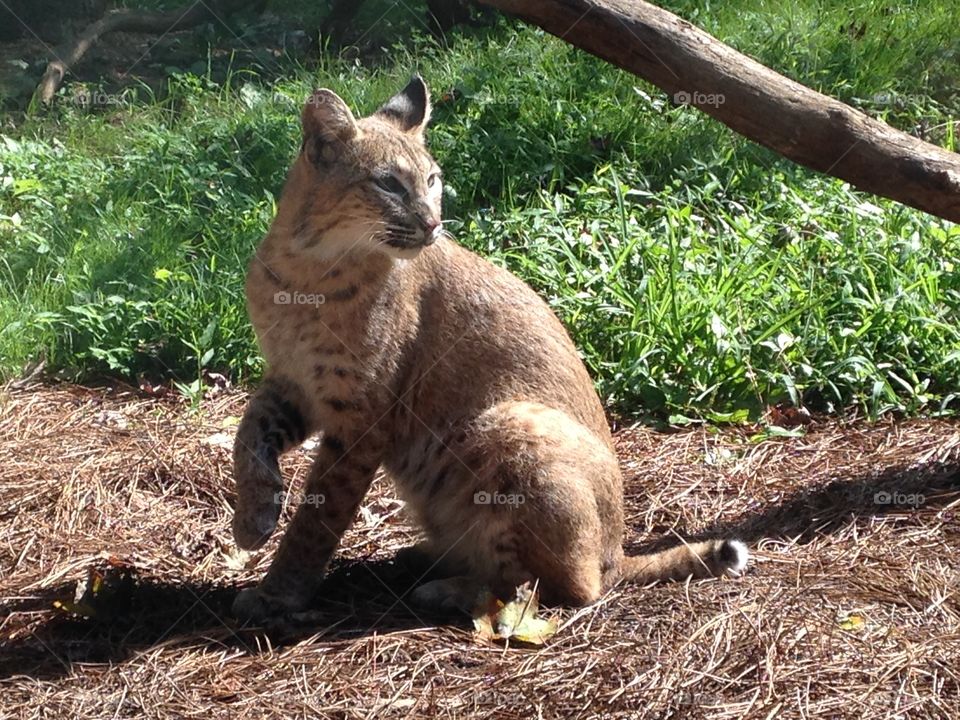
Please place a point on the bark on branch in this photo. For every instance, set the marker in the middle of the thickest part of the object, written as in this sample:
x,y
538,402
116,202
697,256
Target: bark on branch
x,y
799,123
123,20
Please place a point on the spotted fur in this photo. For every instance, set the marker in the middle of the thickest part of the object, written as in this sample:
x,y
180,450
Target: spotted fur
x,y
413,354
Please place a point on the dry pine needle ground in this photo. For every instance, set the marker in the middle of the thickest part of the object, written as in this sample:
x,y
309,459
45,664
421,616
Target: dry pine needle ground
x,y
850,607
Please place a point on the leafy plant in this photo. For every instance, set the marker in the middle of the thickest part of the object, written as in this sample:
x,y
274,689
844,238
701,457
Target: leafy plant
x,y
700,276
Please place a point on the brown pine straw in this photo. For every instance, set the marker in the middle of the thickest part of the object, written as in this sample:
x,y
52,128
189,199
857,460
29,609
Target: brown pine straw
x,y
849,608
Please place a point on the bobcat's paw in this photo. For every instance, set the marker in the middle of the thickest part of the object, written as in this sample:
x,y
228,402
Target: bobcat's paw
x,y
254,605
252,527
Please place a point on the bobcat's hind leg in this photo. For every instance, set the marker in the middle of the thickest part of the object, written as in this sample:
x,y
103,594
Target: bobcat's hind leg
x,y
524,493
556,494
275,421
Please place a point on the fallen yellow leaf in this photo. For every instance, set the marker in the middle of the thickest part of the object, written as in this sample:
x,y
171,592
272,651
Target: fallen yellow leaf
x,y
516,620
853,622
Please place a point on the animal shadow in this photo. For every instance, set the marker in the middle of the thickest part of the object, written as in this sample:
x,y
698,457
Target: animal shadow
x,y
122,612
911,492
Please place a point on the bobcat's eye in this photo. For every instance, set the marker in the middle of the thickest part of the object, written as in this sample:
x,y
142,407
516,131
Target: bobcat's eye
x,y
433,180
390,184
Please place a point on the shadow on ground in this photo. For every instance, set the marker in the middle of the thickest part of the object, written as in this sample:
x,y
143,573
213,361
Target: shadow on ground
x,y
359,598
356,599
806,514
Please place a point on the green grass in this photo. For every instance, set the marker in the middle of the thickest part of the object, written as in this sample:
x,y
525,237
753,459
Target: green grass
x,y
699,274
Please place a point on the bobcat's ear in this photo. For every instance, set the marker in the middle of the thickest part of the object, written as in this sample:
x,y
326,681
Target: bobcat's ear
x,y
409,109
327,123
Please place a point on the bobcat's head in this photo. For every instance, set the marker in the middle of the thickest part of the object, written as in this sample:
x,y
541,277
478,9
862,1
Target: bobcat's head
x,y
369,184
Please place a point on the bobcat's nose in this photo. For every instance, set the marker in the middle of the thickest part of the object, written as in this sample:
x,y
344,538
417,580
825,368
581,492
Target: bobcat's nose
x,y
431,231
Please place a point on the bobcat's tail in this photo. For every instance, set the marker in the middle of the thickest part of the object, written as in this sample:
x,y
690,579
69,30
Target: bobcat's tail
x,y
709,558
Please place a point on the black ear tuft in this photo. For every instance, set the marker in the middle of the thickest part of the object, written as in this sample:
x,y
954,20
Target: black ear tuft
x,y
409,109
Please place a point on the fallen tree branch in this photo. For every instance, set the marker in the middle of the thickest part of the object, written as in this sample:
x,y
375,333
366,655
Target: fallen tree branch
x,y
122,20
799,123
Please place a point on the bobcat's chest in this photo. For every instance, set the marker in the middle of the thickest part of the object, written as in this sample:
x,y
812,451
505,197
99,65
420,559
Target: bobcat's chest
x,y
336,336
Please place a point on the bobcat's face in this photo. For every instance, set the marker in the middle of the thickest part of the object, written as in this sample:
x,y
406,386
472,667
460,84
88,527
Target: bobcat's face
x,y
367,185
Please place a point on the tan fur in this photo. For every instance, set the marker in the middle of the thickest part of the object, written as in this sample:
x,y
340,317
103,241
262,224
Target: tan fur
x,y
429,361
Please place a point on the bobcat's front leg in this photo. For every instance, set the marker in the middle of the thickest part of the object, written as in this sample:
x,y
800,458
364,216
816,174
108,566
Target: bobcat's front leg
x,y
339,479
275,421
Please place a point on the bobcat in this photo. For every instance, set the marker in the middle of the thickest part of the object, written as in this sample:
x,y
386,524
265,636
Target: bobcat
x,y
413,354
